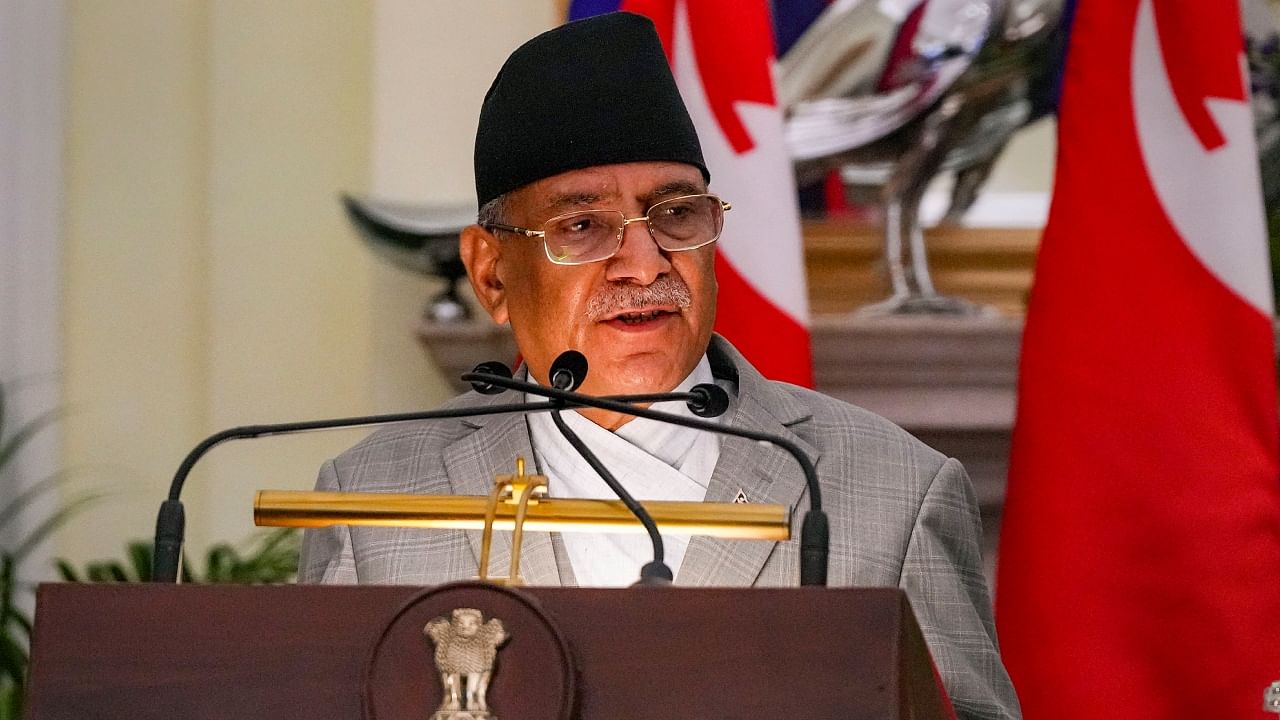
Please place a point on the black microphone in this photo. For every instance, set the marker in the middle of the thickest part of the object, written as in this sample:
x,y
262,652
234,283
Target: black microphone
x,y
704,399
568,371
710,400
492,367
171,519
814,530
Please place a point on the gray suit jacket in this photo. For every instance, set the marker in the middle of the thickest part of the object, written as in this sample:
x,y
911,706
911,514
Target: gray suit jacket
x,y
901,515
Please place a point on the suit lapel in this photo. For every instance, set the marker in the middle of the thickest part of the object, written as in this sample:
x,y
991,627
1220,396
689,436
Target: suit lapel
x,y
764,474
472,463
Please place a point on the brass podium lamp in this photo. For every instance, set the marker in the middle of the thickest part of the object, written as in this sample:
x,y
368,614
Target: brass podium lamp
x,y
516,503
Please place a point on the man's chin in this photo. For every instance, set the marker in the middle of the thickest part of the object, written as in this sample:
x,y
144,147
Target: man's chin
x,y
659,372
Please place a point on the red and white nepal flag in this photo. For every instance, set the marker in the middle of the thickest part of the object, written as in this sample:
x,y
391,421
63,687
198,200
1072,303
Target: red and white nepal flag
x,y
721,54
1139,569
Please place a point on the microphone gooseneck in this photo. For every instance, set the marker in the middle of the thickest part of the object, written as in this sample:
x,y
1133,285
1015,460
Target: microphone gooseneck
x,y
814,530
171,522
568,371
653,573
171,519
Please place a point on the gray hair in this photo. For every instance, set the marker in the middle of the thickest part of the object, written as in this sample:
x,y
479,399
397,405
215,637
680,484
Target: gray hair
x,y
492,211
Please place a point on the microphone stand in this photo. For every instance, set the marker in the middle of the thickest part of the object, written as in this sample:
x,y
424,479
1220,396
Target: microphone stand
x,y
814,531
171,519
655,572
568,371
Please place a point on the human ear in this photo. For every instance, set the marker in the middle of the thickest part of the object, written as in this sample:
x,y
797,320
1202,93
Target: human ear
x,y
482,255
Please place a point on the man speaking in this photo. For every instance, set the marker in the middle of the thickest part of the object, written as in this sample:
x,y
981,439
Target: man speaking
x,y
597,233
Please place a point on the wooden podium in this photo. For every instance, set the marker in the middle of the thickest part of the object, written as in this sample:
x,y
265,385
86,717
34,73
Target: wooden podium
x,y
161,651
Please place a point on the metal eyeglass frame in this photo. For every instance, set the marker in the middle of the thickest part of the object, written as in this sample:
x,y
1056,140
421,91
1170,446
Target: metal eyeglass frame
x,y
622,229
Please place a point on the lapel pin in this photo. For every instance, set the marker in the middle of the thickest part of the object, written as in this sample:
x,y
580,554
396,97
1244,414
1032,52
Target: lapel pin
x,y
740,498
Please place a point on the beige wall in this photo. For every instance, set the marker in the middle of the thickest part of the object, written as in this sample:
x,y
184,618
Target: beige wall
x,y
134,250
433,62
1027,163
210,279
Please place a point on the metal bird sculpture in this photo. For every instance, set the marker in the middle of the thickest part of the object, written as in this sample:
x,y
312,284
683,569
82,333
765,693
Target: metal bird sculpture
x,y
893,92
420,238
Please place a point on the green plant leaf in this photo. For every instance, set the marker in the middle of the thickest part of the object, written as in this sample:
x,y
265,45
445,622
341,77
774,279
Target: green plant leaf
x,y
15,625
7,585
52,523
66,571
10,702
10,447
270,557
13,660
24,499
140,557
220,562
24,624
106,571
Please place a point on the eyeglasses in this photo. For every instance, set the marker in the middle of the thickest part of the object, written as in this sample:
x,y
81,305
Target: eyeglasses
x,y
585,236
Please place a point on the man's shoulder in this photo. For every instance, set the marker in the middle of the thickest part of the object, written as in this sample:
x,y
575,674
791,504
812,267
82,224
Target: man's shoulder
x,y
831,424
825,422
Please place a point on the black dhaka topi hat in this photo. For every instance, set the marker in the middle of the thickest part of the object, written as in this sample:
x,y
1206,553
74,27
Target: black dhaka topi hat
x,y
592,92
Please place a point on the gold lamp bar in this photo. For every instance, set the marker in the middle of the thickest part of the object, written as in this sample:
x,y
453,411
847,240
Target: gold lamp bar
x,y
746,521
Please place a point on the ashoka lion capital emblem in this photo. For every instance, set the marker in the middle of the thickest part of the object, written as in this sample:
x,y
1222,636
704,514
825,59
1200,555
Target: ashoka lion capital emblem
x,y
466,647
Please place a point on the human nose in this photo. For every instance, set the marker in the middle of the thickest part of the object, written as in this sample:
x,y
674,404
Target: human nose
x,y
639,259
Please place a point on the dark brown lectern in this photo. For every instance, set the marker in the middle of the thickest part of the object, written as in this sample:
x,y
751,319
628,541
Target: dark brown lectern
x,y
157,651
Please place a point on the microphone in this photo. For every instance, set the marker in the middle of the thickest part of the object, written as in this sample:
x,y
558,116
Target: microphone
x,y
568,371
704,399
711,400
814,530
171,519
492,367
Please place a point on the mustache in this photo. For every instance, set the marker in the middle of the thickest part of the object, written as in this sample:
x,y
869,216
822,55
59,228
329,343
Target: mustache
x,y
617,298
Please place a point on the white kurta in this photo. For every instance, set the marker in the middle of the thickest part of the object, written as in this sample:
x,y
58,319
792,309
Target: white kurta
x,y
652,460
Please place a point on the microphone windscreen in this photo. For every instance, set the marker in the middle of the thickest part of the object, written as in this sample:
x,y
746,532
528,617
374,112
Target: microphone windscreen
x,y
568,370
712,400
493,367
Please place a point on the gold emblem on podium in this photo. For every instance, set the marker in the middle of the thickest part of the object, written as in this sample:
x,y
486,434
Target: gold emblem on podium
x,y
466,647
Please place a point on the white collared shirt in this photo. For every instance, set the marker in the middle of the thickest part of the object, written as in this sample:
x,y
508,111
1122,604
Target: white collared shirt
x,y
651,459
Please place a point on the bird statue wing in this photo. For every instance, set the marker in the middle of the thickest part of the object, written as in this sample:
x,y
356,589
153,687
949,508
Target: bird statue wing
x,y
420,238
